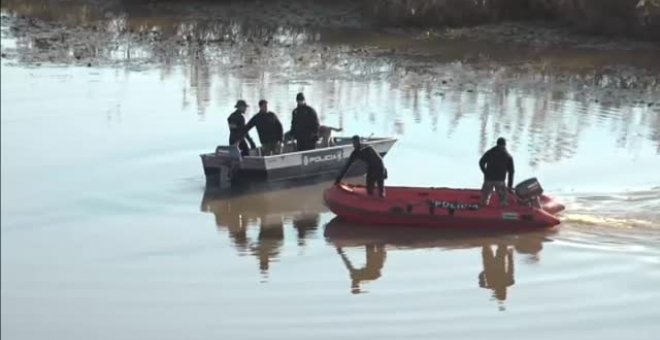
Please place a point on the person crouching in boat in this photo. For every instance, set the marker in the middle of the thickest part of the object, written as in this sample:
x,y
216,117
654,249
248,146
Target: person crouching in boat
x,y
376,171
236,122
269,129
495,164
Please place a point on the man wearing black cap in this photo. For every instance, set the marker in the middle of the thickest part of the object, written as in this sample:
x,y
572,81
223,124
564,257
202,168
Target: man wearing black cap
x,y
495,164
269,129
304,125
376,171
236,123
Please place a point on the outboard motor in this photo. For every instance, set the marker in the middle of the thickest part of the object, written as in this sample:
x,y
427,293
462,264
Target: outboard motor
x,y
235,153
529,192
229,169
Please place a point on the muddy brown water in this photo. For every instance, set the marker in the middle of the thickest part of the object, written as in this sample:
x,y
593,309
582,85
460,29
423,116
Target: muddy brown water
x,y
109,232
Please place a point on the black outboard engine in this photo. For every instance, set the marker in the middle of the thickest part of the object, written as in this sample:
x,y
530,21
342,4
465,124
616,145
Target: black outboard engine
x,y
231,165
235,153
529,191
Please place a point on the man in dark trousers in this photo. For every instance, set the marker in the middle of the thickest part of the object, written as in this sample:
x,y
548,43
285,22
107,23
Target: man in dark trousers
x,y
304,125
269,129
376,171
495,164
236,122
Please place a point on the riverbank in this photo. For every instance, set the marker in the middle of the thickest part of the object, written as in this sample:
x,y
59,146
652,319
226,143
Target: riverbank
x,y
324,41
169,16
635,19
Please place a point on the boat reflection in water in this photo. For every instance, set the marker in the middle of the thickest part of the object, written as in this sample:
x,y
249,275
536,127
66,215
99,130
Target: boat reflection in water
x,y
242,213
497,249
270,211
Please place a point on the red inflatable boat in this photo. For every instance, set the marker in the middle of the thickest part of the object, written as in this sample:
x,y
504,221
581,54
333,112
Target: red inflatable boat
x,y
444,207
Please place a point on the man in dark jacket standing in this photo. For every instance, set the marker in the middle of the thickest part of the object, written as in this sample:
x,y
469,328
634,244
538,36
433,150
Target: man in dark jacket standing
x,y
495,164
269,129
236,122
304,125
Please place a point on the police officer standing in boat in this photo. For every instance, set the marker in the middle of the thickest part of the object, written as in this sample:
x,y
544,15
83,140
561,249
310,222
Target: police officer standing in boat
x,y
304,125
495,164
236,122
269,129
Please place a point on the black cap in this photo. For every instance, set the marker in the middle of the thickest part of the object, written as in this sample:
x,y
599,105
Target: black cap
x,y
263,101
241,102
300,96
356,138
501,141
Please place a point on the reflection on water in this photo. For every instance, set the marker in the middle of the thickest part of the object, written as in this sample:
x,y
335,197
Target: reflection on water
x,y
498,270
271,236
496,250
270,212
375,260
305,224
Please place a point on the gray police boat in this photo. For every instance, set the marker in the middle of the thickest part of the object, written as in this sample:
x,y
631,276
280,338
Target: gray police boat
x,y
227,168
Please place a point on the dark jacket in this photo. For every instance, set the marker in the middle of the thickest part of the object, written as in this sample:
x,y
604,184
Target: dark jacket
x,y
368,155
236,122
495,164
268,126
304,123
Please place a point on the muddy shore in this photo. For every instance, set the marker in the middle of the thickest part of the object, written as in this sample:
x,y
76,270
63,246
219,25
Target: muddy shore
x,y
305,40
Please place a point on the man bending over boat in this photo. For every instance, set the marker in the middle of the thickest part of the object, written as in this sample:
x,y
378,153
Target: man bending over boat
x,y
376,171
495,164
269,129
236,122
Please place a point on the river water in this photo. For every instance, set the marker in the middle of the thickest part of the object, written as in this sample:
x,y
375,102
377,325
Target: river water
x,y
109,232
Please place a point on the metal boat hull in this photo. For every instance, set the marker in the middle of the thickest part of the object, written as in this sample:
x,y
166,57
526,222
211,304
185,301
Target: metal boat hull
x,y
221,169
